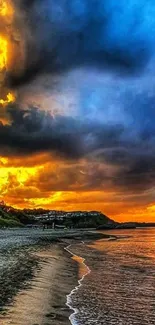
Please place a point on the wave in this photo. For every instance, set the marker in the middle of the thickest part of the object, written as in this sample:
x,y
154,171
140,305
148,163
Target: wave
x,y
81,260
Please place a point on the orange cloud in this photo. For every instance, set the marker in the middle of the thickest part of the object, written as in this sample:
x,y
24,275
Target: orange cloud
x,y
44,181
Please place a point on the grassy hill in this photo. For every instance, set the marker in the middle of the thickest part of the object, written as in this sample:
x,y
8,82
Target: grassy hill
x,y
11,217
8,220
85,219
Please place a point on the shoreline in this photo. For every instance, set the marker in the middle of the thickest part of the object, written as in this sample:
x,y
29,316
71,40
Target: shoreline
x,y
69,300
45,299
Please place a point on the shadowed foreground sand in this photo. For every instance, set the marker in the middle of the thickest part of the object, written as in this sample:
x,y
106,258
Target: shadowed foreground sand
x,y
43,303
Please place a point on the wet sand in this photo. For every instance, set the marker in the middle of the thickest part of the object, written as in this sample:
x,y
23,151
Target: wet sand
x,y
44,301
37,275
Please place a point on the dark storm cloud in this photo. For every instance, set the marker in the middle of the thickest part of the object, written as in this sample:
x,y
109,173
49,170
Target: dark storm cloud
x,y
135,167
114,125
140,173
62,34
134,158
74,177
32,131
130,154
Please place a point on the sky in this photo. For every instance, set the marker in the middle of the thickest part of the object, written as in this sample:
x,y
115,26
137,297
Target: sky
x,y
77,117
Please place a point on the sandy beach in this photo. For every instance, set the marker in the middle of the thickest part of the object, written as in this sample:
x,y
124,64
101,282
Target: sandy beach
x,y
37,274
44,301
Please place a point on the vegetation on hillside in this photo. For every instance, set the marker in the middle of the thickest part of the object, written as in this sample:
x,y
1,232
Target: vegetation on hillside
x,y
11,217
87,220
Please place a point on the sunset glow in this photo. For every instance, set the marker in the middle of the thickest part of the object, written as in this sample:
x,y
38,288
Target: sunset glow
x,y
77,113
77,161
5,10
10,98
3,53
31,183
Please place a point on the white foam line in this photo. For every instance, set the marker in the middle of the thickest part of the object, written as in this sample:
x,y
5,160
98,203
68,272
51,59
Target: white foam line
x,y
69,300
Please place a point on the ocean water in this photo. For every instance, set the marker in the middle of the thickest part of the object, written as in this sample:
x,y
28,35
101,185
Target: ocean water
x,y
120,289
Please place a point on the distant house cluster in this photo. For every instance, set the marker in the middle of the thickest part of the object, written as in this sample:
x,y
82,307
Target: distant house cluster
x,y
70,219
62,215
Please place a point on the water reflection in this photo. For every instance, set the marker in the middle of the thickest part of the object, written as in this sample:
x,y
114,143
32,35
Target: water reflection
x,y
121,287
82,268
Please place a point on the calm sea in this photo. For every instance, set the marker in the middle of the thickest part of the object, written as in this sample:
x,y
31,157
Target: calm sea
x,y
121,286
